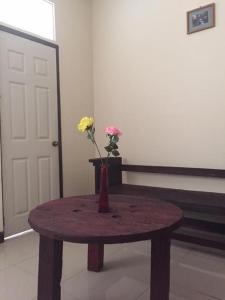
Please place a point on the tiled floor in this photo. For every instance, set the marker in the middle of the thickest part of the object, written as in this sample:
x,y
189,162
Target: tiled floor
x,y
195,275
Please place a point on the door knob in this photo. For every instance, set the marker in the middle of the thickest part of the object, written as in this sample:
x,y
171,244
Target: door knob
x,y
55,143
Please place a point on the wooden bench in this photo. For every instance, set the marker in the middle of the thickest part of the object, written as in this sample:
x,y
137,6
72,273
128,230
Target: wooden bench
x,y
204,222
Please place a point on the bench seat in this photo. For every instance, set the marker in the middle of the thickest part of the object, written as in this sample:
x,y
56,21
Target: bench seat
x,y
204,212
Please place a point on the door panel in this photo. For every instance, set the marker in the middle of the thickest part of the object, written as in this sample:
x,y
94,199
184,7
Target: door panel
x,y
18,110
44,179
20,186
29,124
43,113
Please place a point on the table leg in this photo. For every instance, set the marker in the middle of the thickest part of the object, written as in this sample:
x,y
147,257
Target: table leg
x,y
160,268
95,257
50,269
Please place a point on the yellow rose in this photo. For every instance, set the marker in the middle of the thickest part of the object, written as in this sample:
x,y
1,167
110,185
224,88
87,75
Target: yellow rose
x,y
85,123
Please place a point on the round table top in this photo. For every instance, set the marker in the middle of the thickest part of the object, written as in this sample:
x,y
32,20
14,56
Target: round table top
x,y
131,218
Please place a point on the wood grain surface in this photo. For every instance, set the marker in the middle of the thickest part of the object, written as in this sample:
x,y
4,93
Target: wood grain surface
x,y
130,219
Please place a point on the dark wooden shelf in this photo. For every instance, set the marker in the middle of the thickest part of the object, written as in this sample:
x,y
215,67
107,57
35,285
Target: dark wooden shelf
x,y
204,212
199,237
213,203
202,172
205,222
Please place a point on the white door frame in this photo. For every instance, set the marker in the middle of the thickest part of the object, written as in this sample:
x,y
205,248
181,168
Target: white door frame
x,y
56,47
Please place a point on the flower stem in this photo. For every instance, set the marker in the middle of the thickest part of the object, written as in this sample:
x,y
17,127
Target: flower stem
x,y
94,142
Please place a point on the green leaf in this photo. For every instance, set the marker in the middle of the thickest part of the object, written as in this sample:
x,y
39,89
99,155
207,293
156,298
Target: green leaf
x,y
115,153
108,148
93,130
114,146
89,136
115,139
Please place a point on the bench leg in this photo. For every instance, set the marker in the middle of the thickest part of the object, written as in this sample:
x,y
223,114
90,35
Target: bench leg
x,y
95,257
50,269
160,268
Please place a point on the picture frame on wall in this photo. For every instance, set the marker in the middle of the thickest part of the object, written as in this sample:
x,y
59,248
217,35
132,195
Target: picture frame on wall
x,y
201,18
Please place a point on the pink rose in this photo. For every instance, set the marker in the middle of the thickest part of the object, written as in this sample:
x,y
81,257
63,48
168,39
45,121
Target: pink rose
x,y
113,131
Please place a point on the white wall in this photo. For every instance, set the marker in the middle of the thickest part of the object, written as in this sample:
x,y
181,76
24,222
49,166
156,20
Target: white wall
x,y
162,87
73,33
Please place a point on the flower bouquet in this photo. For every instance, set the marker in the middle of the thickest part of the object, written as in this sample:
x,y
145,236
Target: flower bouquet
x,y
86,125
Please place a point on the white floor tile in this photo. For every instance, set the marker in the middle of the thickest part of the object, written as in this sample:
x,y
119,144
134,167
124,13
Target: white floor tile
x,y
16,284
17,250
74,259
183,292
64,296
124,288
110,250
143,247
180,294
123,266
128,263
30,266
195,274
178,251
205,261
199,280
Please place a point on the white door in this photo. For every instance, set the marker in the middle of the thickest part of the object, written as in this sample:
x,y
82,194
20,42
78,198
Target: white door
x,y
29,125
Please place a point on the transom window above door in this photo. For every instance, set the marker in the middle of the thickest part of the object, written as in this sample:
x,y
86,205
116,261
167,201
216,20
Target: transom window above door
x,y
34,16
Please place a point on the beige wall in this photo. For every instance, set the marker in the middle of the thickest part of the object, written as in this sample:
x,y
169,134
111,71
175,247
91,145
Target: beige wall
x,y
164,89
73,33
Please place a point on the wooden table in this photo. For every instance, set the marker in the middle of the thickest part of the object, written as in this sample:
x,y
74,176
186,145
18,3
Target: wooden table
x,y
77,220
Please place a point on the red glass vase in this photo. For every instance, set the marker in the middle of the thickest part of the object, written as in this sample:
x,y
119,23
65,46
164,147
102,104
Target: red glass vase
x,y
104,190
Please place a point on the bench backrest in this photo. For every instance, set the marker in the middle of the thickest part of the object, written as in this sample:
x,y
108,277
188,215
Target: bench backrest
x,y
198,201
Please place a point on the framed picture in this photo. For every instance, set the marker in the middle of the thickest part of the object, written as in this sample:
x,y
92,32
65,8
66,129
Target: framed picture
x,y
201,18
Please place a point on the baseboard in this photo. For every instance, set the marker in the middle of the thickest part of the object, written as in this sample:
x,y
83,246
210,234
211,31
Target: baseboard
x,y
1,237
